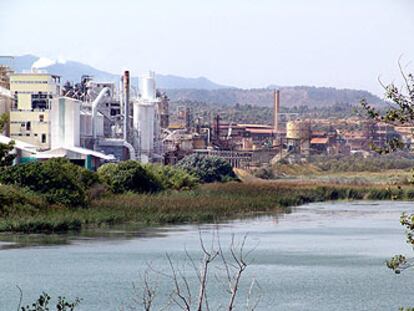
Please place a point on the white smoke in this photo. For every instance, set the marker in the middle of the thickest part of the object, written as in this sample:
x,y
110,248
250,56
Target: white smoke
x,y
43,62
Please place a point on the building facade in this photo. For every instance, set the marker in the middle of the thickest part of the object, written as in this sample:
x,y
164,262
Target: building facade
x,y
29,118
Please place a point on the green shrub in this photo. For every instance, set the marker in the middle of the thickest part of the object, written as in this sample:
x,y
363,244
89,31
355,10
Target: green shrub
x,y
58,180
128,176
264,173
207,169
14,200
171,177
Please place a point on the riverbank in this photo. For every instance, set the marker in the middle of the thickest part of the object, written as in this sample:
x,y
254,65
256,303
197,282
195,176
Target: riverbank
x,y
206,203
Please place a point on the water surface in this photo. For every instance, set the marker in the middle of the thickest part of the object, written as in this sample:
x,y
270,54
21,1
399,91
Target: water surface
x,y
324,256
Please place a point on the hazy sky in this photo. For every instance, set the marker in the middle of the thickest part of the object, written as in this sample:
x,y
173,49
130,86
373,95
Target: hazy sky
x,y
341,43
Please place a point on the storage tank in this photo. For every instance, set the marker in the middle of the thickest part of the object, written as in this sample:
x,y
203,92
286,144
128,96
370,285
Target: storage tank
x,y
86,124
144,114
65,122
297,130
147,86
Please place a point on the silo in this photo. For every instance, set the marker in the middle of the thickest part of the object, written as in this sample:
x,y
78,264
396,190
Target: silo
x,y
147,86
144,113
65,122
299,130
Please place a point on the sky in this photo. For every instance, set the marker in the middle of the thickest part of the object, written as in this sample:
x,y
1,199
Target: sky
x,y
242,43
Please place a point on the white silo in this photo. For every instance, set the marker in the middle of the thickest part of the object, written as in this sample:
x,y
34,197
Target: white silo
x,y
144,113
147,86
65,122
145,120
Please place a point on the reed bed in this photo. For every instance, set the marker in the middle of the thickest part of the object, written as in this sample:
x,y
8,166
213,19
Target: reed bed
x,y
206,204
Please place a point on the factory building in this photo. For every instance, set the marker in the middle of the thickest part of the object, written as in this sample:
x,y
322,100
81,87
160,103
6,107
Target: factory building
x,y
29,118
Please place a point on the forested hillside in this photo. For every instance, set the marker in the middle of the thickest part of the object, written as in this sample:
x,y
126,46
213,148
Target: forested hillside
x,y
290,96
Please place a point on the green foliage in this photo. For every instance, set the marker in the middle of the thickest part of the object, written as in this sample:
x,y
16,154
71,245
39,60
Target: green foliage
x,y
399,263
357,163
4,119
208,169
205,203
264,173
14,200
58,180
128,176
170,177
6,158
43,302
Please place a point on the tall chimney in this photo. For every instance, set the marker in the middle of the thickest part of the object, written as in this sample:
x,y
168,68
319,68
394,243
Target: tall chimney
x,y
276,109
126,104
217,127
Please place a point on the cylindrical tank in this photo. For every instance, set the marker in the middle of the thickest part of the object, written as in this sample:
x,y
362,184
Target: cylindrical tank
x,y
65,122
297,130
144,114
147,86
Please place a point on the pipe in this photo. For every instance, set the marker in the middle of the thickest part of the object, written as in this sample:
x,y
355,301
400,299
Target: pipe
x,y
126,85
276,109
96,102
132,153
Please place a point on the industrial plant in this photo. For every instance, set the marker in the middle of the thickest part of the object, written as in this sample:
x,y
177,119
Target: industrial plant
x,y
92,122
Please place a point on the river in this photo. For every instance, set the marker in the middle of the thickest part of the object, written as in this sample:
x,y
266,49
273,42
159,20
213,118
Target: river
x,y
323,256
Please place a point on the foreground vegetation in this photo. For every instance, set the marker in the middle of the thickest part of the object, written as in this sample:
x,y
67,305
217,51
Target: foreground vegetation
x,y
58,196
29,213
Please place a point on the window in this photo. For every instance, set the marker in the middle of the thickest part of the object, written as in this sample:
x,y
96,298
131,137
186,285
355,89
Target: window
x,y
39,101
22,124
35,135
41,117
28,134
28,126
43,138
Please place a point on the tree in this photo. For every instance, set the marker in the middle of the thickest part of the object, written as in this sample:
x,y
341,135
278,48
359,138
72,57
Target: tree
x,y
58,180
6,157
400,111
208,169
230,265
4,120
128,176
43,303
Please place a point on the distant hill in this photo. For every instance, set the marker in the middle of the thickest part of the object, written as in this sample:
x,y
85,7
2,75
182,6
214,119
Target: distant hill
x,y
289,96
72,71
203,90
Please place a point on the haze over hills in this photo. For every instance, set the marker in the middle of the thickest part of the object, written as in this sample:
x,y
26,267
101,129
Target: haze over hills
x,y
72,71
203,90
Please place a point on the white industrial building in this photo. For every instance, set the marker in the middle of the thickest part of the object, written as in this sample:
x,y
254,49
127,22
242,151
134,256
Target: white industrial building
x,y
78,123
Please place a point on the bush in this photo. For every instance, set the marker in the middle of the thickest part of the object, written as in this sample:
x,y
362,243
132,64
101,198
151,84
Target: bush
x,y
128,176
207,169
170,177
264,173
14,200
357,163
58,180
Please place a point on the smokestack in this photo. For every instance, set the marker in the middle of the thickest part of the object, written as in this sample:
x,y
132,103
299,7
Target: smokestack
x,y
218,127
276,109
126,104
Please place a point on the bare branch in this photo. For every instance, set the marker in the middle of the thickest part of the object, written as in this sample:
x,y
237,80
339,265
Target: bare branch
x,y
21,297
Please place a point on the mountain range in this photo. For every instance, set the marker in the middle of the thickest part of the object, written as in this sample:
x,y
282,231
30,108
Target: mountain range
x,y
202,89
72,71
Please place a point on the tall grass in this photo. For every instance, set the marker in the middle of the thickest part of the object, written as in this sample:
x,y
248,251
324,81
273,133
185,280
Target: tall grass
x,y
207,203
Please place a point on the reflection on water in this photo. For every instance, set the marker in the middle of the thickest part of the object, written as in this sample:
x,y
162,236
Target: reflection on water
x,y
320,257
